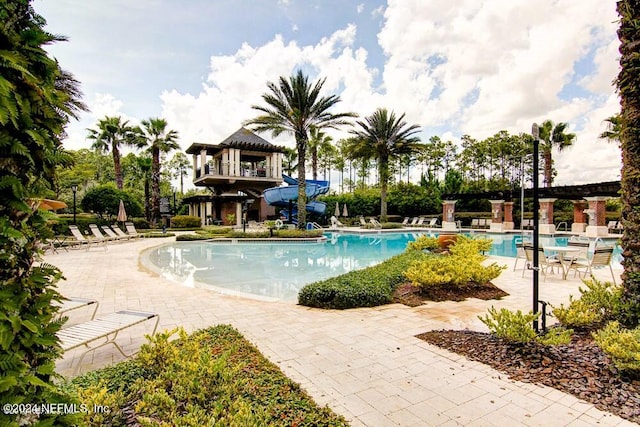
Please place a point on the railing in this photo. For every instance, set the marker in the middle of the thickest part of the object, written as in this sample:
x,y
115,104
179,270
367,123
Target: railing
x,y
560,224
313,225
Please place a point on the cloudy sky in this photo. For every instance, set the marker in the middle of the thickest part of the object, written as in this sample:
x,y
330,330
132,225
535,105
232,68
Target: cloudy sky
x,y
454,67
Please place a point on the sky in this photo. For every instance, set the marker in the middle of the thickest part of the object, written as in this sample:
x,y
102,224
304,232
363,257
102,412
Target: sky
x,y
458,67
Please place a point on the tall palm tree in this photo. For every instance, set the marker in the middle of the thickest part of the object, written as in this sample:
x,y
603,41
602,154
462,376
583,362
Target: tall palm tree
x,y
294,106
318,142
614,127
158,139
628,83
553,135
290,161
112,132
384,137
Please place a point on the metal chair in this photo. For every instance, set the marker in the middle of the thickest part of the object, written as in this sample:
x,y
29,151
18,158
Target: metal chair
x,y
601,258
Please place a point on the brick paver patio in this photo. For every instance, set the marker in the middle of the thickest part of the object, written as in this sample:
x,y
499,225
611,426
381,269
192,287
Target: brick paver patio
x,y
365,364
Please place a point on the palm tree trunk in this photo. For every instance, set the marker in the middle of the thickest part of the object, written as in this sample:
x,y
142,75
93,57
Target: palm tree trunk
x,y
629,90
155,185
301,145
548,178
383,171
117,166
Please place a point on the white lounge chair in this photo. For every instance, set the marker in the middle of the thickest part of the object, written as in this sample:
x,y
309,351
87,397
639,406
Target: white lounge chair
x,y
77,234
406,221
420,222
112,234
131,230
414,221
363,222
122,234
104,329
335,222
72,304
375,223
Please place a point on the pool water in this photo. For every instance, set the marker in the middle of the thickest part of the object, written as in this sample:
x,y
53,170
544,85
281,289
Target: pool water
x,y
277,271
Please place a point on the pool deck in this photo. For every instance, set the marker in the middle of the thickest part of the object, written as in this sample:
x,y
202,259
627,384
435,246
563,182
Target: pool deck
x,y
365,364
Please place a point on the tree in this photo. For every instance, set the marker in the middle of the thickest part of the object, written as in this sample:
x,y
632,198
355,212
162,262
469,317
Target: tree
x,y
294,106
105,200
289,163
553,135
628,84
384,137
112,132
158,139
37,100
179,166
318,142
614,125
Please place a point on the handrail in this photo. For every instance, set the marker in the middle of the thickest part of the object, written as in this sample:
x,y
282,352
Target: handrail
x,y
314,225
562,223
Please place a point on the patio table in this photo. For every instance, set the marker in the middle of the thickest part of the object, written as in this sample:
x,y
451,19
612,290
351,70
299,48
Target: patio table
x,y
565,261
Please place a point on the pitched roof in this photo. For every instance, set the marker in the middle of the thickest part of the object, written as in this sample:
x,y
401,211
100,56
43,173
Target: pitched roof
x,y
242,139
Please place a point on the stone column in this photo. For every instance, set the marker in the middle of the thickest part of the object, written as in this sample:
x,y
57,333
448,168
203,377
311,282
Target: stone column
x,y
579,218
546,225
449,215
508,216
496,216
203,162
597,220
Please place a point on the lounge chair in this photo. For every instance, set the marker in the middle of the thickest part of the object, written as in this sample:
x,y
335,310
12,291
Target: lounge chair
x,y
131,230
104,329
362,221
375,223
433,222
98,234
420,222
414,221
72,304
335,222
122,234
406,221
475,223
112,234
77,234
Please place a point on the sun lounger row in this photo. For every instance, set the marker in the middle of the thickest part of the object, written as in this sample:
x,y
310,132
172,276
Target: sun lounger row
x,y
420,222
112,234
615,227
481,223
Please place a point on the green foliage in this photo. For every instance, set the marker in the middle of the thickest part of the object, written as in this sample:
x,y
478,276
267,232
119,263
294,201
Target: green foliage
x,y
462,267
185,221
194,237
513,326
105,200
598,303
621,345
556,336
423,242
368,287
212,377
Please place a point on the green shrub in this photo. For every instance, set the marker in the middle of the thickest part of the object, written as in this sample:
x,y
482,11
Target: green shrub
x,y
185,221
391,225
369,287
517,327
193,237
284,233
215,230
462,267
211,377
598,303
621,345
423,242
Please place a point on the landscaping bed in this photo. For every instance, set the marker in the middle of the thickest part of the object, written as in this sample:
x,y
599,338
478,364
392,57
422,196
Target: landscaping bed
x,y
580,368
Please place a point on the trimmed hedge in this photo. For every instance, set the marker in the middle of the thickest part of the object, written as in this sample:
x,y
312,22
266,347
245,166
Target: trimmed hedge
x,y
212,377
369,287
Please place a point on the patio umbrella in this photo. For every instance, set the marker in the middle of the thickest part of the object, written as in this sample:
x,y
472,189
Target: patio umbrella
x,y
50,205
337,212
345,212
122,213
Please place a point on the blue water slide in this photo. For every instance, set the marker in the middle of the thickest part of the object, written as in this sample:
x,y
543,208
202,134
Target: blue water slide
x,y
283,197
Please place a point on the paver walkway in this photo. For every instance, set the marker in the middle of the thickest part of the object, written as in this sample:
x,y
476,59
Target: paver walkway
x,y
366,364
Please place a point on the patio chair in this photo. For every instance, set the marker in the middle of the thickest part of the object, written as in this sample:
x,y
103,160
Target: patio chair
x,y
79,237
104,329
335,222
131,230
406,221
112,234
583,245
602,257
475,223
98,234
414,221
72,304
362,221
433,222
546,262
420,222
520,255
612,226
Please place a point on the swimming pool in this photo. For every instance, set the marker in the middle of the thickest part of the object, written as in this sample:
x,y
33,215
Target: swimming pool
x,y
277,271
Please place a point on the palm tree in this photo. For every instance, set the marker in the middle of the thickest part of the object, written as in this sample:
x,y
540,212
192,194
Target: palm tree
x,y
290,160
614,126
112,132
294,106
158,139
553,135
628,83
384,137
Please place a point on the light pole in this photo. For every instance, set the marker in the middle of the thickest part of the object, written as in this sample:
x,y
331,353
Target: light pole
x,y
74,188
536,238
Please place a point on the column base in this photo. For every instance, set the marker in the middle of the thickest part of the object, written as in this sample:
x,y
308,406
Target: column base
x,y
449,226
547,228
578,227
508,225
496,227
597,231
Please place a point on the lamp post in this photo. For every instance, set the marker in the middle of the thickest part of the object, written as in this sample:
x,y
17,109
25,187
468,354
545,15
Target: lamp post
x,y
536,238
74,188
